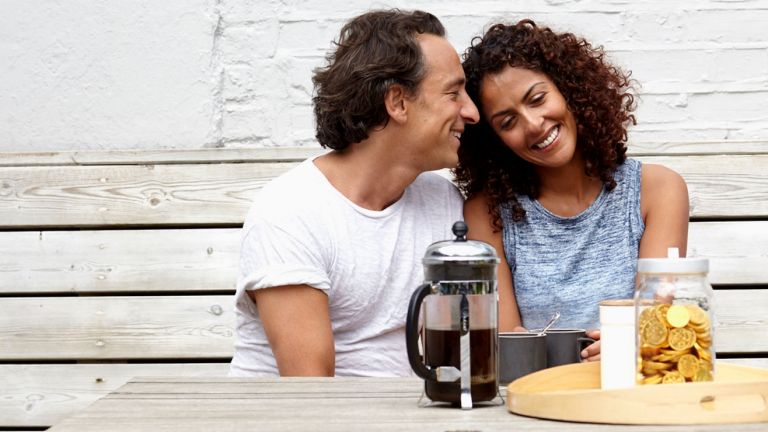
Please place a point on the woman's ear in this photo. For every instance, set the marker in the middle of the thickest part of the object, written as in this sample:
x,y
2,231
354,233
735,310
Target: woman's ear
x,y
396,102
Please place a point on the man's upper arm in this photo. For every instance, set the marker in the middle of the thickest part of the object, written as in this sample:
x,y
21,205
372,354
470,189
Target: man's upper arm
x,y
283,269
297,322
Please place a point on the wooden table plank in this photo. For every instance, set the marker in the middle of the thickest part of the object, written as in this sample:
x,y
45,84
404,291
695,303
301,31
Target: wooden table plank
x,y
227,409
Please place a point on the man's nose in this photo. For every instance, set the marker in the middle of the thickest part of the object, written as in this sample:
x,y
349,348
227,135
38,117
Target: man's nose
x,y
469,111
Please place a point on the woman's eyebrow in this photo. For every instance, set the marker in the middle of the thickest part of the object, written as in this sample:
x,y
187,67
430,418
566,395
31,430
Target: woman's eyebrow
x,y
525,96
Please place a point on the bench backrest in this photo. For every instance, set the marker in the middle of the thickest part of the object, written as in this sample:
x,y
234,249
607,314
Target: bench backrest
x,y
121,264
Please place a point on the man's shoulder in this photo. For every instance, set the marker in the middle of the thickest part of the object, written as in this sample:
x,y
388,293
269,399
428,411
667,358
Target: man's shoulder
x,y
296,189
295,185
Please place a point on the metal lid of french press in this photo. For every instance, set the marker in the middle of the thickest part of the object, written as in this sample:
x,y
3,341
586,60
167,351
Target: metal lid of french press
x,y
460,250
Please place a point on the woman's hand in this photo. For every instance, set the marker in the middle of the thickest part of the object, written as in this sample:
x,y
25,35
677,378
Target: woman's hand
x,y
592,352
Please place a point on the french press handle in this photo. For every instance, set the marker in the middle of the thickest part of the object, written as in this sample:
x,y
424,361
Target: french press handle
x,y
438,374
412,333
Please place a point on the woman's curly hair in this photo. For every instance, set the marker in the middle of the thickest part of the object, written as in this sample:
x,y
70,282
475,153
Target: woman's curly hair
x,y
597,93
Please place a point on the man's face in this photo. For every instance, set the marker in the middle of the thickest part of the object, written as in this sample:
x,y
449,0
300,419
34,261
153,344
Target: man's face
x,y
440,110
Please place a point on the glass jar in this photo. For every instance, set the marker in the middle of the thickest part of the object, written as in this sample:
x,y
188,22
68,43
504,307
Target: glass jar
x,y
674,320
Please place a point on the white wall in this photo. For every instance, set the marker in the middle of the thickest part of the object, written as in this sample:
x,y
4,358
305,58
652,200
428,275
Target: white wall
x,y
85,74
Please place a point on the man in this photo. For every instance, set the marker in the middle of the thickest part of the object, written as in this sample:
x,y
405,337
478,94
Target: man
x,y
331,250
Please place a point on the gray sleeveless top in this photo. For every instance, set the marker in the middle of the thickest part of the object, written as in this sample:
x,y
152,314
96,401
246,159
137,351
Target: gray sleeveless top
x,y
569,264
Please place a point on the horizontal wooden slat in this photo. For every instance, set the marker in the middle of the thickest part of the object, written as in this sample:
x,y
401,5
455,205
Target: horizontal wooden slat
x,y
41,395
286,154
131,194
741,320
206,259
118,260
146,156
203,326
83,196
158,195
730,186
754,362
666,148
62,328
737,251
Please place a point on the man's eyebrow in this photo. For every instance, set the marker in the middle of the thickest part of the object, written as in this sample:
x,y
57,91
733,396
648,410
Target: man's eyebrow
x,y
525,96
457,82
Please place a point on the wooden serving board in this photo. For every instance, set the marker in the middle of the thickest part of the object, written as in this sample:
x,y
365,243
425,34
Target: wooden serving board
x,y
572,392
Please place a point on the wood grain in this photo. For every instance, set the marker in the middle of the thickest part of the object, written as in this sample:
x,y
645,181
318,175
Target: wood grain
x,y
737,250
720,186
108,327
572,393
329,404
284,154
119,261
86,196
141,327
684,148
41,395
173,260
77,287
157,156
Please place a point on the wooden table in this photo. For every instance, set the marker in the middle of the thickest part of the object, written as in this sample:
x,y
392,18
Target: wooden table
x,y
311,404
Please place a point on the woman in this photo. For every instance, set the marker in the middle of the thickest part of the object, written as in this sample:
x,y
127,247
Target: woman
x,y
548,181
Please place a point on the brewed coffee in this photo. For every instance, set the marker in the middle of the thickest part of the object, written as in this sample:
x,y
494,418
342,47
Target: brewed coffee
x,y
441,351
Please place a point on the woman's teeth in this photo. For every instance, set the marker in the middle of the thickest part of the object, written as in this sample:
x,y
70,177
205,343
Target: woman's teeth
x,y
552,135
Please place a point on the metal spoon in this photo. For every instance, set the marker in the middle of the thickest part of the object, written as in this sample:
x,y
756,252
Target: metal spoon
x,y
552,322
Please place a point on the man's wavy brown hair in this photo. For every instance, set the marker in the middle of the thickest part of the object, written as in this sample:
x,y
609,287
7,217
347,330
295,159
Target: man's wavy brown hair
x,y
597,93
374,51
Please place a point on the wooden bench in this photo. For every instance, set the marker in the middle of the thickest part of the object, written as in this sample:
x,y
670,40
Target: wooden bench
x,y
123,263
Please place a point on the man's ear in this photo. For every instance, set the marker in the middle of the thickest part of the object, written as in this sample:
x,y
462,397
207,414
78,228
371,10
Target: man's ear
x,y
396,101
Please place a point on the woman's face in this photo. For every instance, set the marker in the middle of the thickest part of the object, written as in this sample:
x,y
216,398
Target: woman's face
x,y
530,115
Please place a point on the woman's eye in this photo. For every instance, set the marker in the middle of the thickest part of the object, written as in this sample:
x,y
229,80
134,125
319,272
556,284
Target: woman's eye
x,y
506,123
538,98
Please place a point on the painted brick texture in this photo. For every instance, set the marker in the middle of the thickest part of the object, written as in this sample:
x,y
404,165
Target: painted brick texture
x,y
237,73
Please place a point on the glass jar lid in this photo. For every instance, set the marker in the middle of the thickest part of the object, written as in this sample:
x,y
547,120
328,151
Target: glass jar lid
x,y
673,264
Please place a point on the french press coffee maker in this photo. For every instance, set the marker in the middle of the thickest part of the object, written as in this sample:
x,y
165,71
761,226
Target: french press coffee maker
x,y
460,326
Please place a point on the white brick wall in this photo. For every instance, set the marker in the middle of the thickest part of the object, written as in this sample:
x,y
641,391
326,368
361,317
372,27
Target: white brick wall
x,y
209,73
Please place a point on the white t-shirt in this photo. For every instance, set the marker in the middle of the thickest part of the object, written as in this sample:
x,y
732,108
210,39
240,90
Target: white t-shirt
x,y
301,230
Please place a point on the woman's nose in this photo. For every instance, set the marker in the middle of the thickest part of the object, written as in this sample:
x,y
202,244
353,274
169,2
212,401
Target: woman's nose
x,y
534,122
